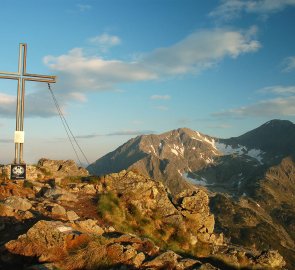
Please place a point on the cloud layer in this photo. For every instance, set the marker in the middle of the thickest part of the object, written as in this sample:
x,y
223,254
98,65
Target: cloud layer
x,y
200,50
79,73
160,97
289,64
117,133
37,104
105,41
281,105
232,9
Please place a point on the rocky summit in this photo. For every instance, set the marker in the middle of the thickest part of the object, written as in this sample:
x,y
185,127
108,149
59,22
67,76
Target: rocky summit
x,y
125,220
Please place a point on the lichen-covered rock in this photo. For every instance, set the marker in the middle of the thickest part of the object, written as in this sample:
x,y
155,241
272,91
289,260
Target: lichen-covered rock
x,y
46,240
271,259
89,226
88,189
61,168
6,210
147,195
57,210
171,260
71,215
18,203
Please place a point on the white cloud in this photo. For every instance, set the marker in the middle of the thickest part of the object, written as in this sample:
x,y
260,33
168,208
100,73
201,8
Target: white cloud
x,y
281,105
83,7
279,90
79,73
231,9
265,108
130,133
201,50
289,64
160,97
7,99
105,41
37,104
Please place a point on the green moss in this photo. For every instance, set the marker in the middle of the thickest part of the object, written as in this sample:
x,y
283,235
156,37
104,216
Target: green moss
x,y
27,184
108,204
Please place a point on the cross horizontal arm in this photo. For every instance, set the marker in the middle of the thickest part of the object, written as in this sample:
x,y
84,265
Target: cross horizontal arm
x,y
47,80
9,77
9,73
28,77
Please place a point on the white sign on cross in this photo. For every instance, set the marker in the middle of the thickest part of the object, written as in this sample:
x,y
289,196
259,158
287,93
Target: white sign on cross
x,y
22,76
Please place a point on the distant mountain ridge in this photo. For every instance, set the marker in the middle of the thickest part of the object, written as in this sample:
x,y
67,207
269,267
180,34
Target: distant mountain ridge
x,y
183,156
166,156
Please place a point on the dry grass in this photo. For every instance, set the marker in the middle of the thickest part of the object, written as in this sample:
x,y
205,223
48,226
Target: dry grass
x,y
92,256
127,218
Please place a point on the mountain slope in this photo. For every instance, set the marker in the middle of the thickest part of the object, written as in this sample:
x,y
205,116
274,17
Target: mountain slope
x,y
166,156
266,216
183,156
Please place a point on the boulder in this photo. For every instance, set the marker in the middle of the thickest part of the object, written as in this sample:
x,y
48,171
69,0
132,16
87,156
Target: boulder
x,y
46,240
271,259
58,210
198,203
72,215
6,210
171,260
88,189
18,203
89,226
61,168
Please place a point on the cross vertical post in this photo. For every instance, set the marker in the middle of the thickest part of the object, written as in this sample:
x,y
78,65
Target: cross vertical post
x,y
22,76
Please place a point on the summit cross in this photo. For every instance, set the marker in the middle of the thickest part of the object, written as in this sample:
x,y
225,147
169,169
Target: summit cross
x,y
22,76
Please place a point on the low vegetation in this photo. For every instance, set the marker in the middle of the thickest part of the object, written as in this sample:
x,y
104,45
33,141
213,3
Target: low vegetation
x,y
128,218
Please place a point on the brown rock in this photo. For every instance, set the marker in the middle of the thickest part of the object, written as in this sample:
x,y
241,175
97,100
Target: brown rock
x,y
72,215
271,258
88,189
6,210
166,259
61,168
198,203
58,210
89,226
45,240
18,203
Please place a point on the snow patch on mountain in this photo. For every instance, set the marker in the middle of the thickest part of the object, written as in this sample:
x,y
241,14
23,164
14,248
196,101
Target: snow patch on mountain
x,y
257,154
229,150
202,181
240,150
153,149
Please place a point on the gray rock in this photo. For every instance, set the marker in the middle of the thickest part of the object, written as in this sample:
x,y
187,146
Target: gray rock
x,y
72,215
89,226
18,203
88,189
58,210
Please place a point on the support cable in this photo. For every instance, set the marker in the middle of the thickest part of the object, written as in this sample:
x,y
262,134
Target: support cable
x,y
69,132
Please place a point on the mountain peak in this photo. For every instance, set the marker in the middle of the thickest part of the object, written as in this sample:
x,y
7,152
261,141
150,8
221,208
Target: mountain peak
x,y
278,123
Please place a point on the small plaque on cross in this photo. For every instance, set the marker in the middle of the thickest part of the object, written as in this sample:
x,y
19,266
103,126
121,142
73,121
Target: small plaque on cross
x,y
19,137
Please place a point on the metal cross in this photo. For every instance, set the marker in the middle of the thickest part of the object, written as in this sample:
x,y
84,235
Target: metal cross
x,y
22,76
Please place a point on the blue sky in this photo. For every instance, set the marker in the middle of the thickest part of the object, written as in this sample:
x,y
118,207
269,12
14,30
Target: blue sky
x,y
134,67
